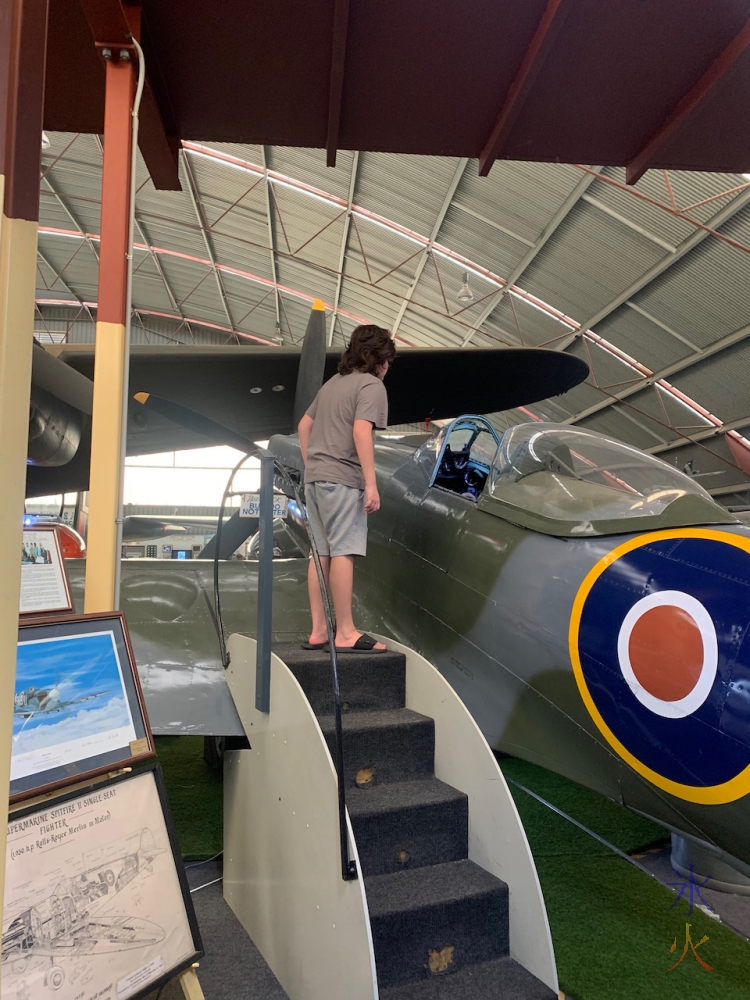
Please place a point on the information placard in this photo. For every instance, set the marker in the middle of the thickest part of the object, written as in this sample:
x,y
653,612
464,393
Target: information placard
x,y
250,505
96,904
44,581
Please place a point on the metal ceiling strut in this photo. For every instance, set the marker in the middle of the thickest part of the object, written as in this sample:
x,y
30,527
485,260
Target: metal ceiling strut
x,y
447,200
549,230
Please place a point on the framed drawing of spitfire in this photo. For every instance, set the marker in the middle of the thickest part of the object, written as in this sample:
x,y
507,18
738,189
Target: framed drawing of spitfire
x,y
78,708
96,902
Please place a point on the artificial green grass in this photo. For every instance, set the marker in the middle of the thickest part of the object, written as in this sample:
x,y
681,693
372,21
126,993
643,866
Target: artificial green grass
x,y
195,795
612,925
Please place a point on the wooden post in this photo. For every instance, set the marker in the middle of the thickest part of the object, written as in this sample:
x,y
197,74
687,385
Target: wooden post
x,y
111,350
23,43
191,987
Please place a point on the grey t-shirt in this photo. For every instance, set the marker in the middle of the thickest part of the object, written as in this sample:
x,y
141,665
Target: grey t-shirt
x,y
331,454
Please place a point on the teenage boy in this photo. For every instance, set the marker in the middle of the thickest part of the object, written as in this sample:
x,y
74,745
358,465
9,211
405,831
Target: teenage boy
x,y
336,436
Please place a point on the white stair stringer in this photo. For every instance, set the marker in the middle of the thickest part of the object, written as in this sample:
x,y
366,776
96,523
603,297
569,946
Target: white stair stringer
x,y
497,840
282,861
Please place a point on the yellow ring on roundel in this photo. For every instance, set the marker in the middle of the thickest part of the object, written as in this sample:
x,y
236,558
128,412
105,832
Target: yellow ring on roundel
x,y
728,791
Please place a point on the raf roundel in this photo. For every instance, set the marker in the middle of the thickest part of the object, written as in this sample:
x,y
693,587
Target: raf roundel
x,y
659,652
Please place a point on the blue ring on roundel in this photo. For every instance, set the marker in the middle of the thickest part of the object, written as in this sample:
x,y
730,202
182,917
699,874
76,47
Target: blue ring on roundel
x,y
711,746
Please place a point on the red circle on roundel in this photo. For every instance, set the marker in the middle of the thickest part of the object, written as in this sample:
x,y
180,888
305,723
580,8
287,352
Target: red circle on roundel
x,y
666,652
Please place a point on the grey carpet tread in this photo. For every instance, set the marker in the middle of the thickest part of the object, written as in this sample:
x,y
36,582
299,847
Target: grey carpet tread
x,y
434,885
366,721
400,795
292,653
502,979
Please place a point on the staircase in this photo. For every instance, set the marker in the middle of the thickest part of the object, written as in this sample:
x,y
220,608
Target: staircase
x,y
439,922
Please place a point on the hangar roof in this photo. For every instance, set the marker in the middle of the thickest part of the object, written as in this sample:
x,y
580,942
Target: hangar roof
x,y
648,283
658,84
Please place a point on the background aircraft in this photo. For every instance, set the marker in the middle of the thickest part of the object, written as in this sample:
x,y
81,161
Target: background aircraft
x,y
252,393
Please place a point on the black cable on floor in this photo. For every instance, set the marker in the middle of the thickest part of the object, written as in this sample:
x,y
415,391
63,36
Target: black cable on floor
x,y
585,829
195,864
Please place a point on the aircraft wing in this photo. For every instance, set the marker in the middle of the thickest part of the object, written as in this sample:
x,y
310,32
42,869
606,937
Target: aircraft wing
x,y
102,935
251,392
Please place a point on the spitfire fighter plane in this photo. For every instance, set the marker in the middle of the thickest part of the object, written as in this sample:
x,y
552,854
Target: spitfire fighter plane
x,y
67,922
589,603
44,701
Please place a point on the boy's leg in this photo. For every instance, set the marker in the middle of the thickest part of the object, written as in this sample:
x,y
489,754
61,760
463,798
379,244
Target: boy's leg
x,y
319,630
342,590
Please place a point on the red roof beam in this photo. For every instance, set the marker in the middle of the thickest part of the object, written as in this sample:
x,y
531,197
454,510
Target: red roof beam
x,y
541,44
682,112
336,93
112,24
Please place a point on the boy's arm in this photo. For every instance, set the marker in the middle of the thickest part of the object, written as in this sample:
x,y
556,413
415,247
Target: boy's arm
x,y
304,429
366,453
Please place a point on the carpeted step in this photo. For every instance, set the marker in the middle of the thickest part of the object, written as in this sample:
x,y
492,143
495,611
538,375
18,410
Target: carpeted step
x,y
380,747
431,921
408,824
368,681
502,979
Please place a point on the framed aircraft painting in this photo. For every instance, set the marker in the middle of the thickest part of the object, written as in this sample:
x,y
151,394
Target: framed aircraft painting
x,y
78,708
45,588
96,902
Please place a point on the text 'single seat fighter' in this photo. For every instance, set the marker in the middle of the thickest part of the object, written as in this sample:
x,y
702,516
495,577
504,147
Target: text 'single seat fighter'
x,y
589,603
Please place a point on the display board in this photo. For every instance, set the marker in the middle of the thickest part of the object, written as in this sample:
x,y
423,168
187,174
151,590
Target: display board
x,y
44,581
96,906
78,709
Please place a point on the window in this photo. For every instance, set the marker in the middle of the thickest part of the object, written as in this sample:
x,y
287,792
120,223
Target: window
x,y
151,551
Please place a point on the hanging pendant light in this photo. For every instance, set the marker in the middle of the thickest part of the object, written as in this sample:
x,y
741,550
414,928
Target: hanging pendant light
x,y
465,293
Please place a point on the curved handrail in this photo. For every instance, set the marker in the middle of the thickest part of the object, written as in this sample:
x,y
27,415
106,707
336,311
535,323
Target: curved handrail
x,y
265,591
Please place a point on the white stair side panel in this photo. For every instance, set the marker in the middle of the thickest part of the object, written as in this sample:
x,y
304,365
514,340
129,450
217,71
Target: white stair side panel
x,y
497,840
282,862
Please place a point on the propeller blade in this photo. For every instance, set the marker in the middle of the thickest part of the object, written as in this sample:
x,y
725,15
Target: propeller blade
x,y
312,362
194,421
234,532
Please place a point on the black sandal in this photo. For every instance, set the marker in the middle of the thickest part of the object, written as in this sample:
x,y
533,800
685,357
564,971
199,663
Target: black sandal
x,y
365,644
314,645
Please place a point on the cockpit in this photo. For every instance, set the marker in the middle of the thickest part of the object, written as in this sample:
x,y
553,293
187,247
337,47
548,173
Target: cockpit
x,y
563,480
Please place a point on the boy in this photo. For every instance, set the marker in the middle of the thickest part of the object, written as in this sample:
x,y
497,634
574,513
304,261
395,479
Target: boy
x,y
337,440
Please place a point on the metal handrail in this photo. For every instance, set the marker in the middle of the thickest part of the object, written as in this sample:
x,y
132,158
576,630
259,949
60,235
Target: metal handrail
x,y
348,865
269,466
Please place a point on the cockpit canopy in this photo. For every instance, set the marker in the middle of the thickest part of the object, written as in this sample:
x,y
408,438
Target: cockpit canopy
x,y
588,484
563,480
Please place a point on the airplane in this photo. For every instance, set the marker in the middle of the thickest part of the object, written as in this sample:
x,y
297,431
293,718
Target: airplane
x,y
254,392
588,602
63,923
40,701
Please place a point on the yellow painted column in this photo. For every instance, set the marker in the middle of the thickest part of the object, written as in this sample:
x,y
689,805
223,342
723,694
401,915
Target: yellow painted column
x,y
105,486
23,35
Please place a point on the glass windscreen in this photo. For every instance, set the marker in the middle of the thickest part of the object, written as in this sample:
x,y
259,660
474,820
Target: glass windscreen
x,y
567,474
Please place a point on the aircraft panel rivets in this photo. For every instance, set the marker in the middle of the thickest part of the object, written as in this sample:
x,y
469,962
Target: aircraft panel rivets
x,y
278,388
255,390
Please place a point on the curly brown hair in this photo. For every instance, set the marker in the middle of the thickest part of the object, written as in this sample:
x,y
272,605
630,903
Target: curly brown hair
x,y
369,348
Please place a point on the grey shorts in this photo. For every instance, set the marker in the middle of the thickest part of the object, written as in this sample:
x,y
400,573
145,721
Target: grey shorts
x,y
337,518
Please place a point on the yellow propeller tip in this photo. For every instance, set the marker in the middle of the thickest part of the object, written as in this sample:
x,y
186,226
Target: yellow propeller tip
x,y
319,305
141,397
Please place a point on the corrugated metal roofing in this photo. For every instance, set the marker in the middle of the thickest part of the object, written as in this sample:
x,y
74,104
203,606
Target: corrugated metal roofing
x,y
599,247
